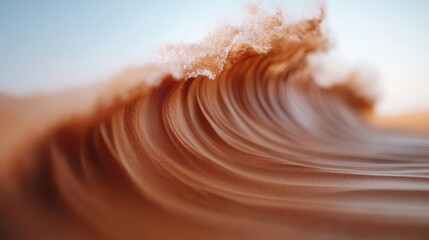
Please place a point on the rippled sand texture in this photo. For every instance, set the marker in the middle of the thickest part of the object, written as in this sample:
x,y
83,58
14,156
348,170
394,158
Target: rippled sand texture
x,y
259,152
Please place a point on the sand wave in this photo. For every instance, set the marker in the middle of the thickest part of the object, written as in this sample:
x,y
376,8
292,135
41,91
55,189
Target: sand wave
x,y
263,151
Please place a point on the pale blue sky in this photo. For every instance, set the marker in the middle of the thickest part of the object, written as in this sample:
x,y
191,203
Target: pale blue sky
x,y
47,45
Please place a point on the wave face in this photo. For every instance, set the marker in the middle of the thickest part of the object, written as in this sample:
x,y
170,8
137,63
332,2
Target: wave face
x,y
260,152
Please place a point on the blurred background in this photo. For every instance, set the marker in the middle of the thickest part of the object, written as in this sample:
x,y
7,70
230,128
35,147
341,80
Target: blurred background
x,y
49,45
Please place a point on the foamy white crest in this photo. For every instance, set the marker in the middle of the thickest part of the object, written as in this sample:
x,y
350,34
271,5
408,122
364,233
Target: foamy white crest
x,y
209,57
